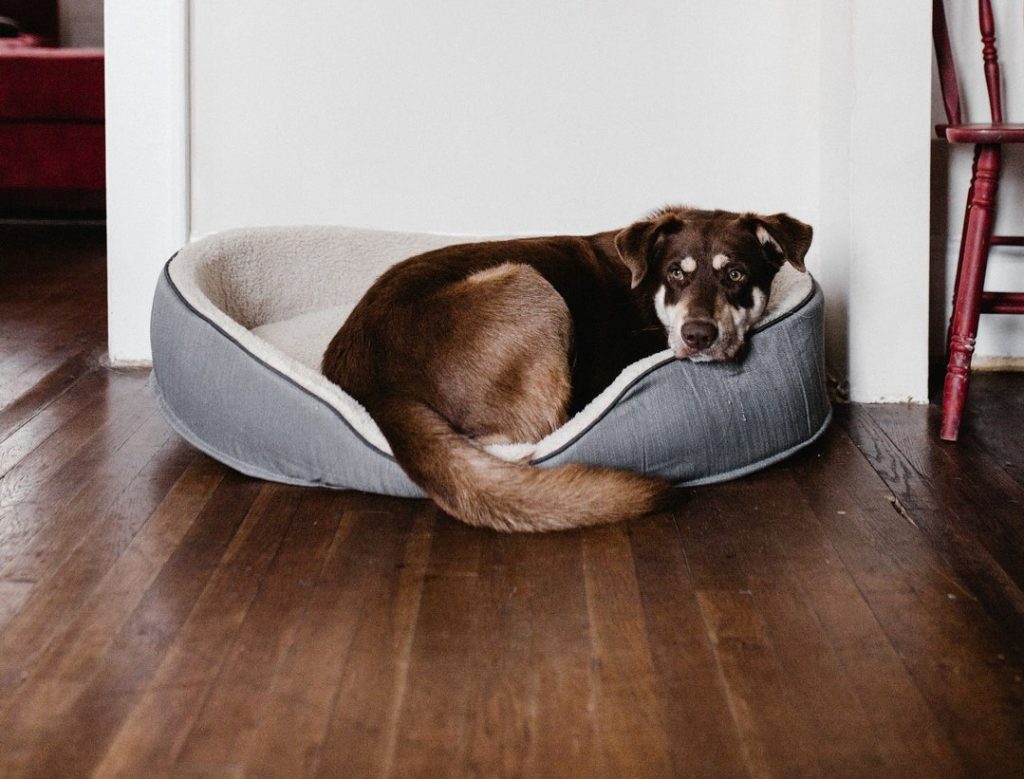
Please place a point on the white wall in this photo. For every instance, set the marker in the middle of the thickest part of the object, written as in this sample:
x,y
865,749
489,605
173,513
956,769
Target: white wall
x,y
484,117
1000,338
147,161
886,296
81,23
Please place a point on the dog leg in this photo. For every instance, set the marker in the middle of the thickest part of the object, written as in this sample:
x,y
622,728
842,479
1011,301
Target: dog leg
x,y
504,372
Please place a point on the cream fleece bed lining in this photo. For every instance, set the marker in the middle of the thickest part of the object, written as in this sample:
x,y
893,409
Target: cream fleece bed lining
x,y
282,293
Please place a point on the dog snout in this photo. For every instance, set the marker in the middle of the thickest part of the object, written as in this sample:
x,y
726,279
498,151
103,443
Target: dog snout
x,y
699,334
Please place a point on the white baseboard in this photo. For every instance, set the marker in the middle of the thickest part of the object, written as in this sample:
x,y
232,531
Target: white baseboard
x,y
989,364
126,364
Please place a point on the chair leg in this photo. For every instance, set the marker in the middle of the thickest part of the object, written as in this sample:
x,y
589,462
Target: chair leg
x,y
963,245
970,282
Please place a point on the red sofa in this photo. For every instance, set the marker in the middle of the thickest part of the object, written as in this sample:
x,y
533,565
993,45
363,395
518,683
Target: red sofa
x,y
51,118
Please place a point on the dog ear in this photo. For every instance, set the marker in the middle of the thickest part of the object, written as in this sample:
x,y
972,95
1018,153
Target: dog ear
x,y
784,238
638,243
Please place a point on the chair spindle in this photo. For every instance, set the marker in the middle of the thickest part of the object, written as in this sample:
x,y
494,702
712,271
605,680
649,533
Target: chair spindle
x,y
991,56
944,58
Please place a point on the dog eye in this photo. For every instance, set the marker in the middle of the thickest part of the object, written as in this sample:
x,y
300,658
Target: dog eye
x,y
736,275
676,273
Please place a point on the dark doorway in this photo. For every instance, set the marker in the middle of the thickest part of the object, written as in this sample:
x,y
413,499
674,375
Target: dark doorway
x,y
51,110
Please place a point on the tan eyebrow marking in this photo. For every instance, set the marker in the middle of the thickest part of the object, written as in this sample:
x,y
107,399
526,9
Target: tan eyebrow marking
x,y
688,264
719,261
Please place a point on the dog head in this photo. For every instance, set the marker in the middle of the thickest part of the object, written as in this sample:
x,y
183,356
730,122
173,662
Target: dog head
x,y
709,273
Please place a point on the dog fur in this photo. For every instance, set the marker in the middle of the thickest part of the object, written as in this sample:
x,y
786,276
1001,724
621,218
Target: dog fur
x,y
501,342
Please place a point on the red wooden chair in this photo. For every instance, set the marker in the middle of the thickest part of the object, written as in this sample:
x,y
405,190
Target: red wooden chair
x,y
969,298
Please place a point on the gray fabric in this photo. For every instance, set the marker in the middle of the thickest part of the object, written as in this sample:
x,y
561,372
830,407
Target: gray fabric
x,y
698,423
240,411
686,422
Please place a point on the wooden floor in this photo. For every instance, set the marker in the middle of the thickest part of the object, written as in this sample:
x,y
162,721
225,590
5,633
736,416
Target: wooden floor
x,y
855,611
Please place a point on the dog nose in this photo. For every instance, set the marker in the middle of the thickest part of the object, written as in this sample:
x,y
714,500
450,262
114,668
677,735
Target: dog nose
x,y
699,334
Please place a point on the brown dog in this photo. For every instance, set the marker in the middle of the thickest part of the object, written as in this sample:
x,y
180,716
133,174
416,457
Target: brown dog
x,y
503,341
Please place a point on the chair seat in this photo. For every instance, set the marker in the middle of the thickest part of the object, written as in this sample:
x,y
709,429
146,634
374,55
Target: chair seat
x,y
985,133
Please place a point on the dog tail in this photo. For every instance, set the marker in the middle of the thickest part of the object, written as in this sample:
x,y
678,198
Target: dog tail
x,y
483,490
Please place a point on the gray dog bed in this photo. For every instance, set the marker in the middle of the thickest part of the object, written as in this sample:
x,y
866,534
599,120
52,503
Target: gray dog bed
x,y
241,319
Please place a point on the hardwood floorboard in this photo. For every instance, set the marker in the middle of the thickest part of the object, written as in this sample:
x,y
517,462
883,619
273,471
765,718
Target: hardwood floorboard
x,y
433,722
99,523
536,662
51,419
702,736
630,726
32,377
72,736
78,644
967,534
965,480
50,387
964,662
63,458
87,485
352,640
994,419
153,733
222,732
773,735
67,569
52,303
854,611
358,736
862,705
837,731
